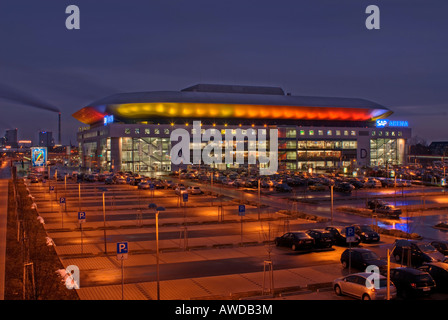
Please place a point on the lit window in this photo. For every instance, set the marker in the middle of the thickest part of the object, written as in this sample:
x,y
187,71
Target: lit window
x,y
400,134
320,132
380,133
353,133
166,131
338,132
387,133
311,132
393,133
137,131
329,133
147,131
373,133
156,131
127,131
345,132
302,132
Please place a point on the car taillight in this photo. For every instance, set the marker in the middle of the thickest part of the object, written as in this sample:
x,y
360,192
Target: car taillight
x,y
413,285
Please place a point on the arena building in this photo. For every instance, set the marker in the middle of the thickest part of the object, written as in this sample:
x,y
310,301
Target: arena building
x,y
131,131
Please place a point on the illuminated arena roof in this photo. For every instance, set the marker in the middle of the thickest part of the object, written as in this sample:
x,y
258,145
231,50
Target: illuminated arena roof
x,y
205,101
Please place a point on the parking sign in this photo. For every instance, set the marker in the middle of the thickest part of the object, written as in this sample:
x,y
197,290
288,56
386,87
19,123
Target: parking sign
x,y
350,234
51,188
122,250
62,200
185,197
81,217
241,210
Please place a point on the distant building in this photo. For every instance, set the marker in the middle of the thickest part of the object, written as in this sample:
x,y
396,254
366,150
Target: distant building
x,y
11,138
439,148
46,139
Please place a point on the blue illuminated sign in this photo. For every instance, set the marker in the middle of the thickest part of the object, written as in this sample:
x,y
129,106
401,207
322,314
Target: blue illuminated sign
x,y
39,157
381,123
108,119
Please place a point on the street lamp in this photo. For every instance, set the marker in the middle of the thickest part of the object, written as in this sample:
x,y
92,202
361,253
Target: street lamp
x,y
104,190
157,210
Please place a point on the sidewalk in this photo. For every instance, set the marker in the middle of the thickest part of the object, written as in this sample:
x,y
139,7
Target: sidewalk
x,y
235,286
3,228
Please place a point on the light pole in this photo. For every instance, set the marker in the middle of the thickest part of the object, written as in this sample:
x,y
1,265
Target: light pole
x,y
157,210
331,196
104,190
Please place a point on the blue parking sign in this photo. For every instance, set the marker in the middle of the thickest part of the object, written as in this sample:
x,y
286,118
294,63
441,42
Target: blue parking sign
x,y
62,200
350,234
122,250
241,210
185,197
51,188
81,217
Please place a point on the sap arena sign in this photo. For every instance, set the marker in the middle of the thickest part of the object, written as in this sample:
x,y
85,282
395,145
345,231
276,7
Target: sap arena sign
x,y
108,119
381,123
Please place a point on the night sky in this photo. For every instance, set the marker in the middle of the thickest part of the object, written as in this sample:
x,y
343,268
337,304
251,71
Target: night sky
x,y
318,47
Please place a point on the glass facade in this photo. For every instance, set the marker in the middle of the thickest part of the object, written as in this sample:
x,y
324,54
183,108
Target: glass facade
x,y
146,148
386,151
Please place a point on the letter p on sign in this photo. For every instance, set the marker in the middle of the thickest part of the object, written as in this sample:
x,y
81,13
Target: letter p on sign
x,y
122,250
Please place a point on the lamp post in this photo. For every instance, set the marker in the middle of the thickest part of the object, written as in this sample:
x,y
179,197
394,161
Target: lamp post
x,y
104,190
157,210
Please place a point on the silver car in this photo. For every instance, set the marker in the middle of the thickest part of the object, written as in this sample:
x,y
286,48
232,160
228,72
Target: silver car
x,y
356,285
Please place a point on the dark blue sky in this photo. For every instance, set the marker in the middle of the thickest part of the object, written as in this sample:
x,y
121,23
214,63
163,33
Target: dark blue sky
x,y
318,47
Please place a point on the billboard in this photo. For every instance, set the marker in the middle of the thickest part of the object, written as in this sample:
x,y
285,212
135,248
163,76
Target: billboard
x,y
39,157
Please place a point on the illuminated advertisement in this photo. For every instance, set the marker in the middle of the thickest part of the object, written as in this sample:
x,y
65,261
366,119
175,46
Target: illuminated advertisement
x,y
39,157
380,123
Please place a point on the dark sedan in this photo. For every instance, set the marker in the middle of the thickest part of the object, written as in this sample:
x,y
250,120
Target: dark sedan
x,y
366,233
360,259
439,272
338,235
295,240
412,282
441,246
322,238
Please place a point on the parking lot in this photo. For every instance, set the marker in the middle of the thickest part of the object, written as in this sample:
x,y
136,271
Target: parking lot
x,y
206,247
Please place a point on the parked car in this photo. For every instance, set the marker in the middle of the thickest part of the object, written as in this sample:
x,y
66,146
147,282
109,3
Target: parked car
x,y
194,190
144,185
180,190
344,187
318,187
441,246
283,187
120,180
372,183
366,233
360,286
169,184
322,238
361,258
338,235
388,210
374,203
295,240
108,181
439,272
412,282
419,252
